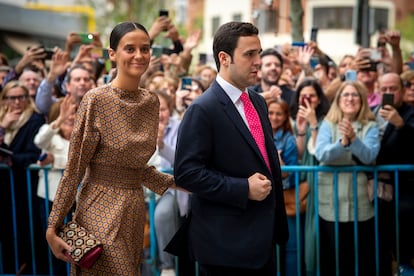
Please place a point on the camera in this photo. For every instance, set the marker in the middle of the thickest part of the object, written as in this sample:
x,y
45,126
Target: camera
x,y
49,53
86,38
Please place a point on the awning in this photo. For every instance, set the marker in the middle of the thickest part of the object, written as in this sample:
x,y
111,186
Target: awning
x,y
19,43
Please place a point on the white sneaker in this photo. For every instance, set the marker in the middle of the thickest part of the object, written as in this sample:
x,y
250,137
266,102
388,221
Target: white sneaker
x,y
167,272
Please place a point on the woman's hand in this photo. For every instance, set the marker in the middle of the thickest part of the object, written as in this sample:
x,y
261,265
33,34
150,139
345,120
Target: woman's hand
x,y
58,246
308,113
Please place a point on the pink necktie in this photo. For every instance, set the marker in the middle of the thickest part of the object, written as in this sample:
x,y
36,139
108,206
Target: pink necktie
x,y
255,125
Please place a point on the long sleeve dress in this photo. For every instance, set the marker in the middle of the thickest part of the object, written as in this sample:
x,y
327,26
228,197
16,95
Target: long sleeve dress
x,y
113,138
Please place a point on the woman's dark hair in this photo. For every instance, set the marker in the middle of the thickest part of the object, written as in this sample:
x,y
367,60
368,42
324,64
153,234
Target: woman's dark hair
x,y
227,37
323,105
120,30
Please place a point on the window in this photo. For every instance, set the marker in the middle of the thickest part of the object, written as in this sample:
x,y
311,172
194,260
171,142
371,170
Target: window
x,y
333,17
379,18
237,17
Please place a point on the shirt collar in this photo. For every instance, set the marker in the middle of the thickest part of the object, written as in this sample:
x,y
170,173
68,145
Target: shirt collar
x,y
232,91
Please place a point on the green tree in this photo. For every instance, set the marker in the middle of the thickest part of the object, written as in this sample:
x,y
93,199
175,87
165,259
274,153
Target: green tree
x,y
406,27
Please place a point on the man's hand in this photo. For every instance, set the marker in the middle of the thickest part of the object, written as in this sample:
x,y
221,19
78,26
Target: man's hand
x,y
30,56
273,93
59,64
259,187
390,114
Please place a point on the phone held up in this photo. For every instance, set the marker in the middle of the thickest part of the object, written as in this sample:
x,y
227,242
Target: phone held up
x,y
186,83
351,75
314,34
86,38
163,13
305,99
387,99
156,51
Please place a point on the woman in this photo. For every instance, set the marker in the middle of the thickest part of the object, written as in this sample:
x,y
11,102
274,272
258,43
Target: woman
x,y
285,143
20,122
53,139
308,110
114,136
349,135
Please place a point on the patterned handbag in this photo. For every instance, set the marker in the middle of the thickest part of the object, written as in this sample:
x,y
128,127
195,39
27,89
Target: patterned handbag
x,y
86,248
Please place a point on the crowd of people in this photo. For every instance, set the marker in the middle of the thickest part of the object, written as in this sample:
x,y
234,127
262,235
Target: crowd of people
x,y
114,123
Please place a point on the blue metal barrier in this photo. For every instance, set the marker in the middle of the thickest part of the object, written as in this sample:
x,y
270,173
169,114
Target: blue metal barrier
x,y
395,169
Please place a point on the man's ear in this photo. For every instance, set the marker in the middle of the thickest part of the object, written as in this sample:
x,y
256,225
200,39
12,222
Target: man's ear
x,y
224,58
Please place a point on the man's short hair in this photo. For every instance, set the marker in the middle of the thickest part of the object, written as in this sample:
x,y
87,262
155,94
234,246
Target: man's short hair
x,y
272,52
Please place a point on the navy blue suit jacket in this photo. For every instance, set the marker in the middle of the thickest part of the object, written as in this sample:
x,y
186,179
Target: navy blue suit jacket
x,y
215,155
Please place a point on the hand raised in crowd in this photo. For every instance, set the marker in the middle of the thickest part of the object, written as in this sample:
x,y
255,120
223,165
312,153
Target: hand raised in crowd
x,y
74,38
161,24
393,38
306,115
304,55
84,54
259,187
173,65
391,115
362,60
347,131
192,40
30,56
172,33
58,65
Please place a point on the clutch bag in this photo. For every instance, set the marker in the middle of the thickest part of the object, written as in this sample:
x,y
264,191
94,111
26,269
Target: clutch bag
x,y
86,248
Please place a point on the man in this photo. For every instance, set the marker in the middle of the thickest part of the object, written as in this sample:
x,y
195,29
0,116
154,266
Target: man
x,y
78,82
271,68
31,78
237,207
396,148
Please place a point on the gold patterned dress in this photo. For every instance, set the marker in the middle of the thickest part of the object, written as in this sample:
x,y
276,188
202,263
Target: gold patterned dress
x,y
114,137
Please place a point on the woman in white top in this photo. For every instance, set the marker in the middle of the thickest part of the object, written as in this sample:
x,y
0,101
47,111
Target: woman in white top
x,y
53,139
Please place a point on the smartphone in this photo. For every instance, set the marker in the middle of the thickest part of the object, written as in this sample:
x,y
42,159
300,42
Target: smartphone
x,y
105,54
86,38
314,34
351,75
298,44
314,60
387,99
156,51
305,99
202,58
186,82
374,55
164,13
42,157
